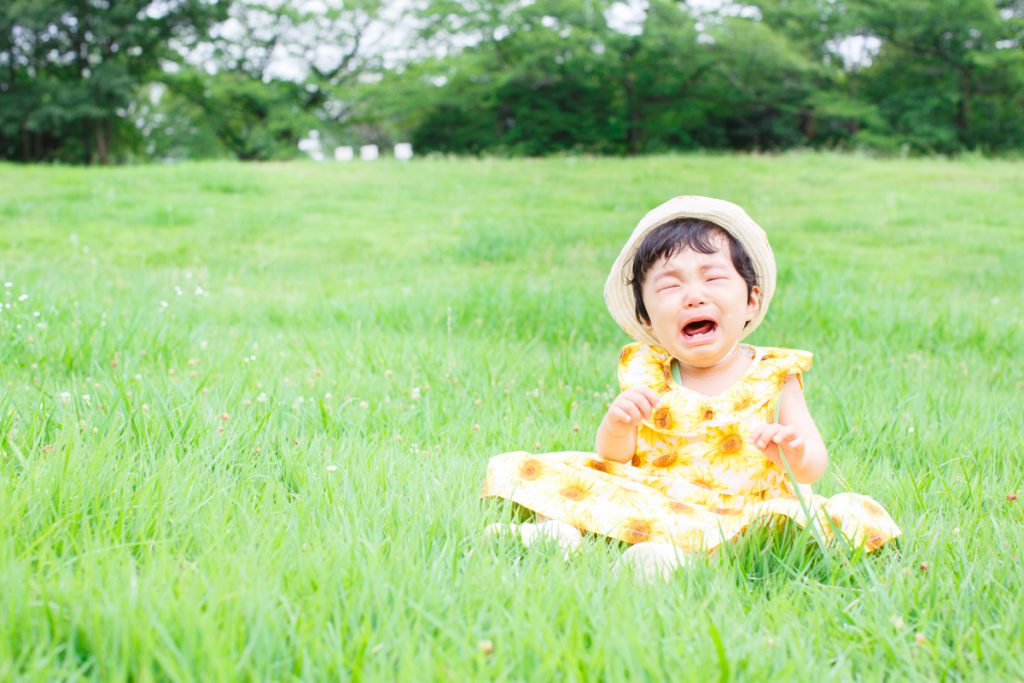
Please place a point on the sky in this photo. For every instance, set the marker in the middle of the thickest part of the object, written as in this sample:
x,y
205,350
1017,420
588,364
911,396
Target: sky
x,y
391,37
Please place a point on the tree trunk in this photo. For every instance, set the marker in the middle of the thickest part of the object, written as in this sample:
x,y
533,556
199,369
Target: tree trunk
x,y
26,143
101,142
634,118
963,106
808,125
634,114
86,146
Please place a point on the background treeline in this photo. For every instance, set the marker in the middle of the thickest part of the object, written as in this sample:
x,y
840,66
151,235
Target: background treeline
x,y
119,80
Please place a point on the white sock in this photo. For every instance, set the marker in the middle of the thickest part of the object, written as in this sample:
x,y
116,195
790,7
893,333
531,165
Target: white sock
x,y
652,560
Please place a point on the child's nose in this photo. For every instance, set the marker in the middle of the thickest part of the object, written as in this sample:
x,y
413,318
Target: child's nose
x,y
693,296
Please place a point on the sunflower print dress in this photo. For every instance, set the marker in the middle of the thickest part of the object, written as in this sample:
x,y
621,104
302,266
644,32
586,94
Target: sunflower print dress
x,y
696,480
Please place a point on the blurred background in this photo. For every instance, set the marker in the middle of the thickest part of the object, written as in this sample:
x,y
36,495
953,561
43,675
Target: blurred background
x,y
116,81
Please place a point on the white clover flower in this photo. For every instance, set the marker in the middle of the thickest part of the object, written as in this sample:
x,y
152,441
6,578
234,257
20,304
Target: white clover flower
x,y
199,291
332,468
86,398
164,304
23,297
65,396
262,398
8,285
415,393
177,290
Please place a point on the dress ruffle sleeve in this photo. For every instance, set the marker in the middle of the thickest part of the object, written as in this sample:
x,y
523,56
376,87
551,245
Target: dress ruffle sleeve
x,y
788,362
644,365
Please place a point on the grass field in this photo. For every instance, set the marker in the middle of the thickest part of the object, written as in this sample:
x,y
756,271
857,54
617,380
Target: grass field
x,y
245,412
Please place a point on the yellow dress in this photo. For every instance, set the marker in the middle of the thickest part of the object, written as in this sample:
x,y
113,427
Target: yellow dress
x,y
696,480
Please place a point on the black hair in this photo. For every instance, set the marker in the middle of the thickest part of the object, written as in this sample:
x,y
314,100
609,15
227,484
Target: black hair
x,y
668,239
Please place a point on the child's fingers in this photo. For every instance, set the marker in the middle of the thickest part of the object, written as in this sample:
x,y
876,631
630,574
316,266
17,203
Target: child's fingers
x,y
767,435
630,409
755,434
794,445
639,398
644,406
642,397
784,434
652,396
616,414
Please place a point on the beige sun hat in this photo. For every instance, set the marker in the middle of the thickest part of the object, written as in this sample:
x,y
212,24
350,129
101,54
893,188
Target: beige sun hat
x,y
618,293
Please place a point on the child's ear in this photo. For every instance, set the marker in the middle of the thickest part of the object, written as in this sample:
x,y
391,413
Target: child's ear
x,y
753,302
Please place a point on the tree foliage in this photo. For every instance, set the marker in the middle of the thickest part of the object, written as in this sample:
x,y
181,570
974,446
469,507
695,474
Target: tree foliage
x,y
71,69
103,80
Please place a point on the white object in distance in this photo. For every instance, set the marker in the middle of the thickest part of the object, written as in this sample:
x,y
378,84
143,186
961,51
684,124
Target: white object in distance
x,y
311,145
403,151
369,153
344,154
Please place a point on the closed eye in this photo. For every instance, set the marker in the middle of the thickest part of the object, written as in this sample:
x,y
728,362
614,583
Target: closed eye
x,y
665,288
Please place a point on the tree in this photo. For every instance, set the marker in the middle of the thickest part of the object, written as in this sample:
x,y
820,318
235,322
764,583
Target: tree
x,y
762,89
274,71
659,71
534,72
74,66
950,73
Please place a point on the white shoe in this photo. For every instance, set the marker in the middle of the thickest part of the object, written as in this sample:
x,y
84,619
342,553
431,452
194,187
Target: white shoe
x,y
652,560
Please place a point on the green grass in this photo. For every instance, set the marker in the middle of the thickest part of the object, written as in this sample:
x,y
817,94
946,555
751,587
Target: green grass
x,y
213,466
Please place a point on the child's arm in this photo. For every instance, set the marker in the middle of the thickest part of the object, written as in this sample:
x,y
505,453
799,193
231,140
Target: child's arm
x,y
616,436
795,434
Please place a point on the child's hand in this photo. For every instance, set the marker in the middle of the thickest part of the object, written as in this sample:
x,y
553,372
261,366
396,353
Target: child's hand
x,y
769,437
631,407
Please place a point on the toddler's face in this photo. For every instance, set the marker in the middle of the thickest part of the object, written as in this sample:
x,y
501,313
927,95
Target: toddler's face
x,y
698,305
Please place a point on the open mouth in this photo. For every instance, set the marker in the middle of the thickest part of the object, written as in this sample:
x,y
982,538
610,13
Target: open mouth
x,y
698,329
